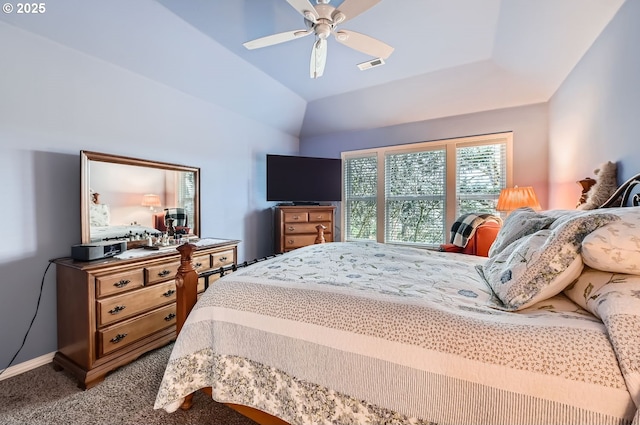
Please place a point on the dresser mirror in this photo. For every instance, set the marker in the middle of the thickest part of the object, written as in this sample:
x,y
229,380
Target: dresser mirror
x,y
131,198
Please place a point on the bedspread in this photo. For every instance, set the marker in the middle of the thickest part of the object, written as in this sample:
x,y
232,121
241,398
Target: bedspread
x,y
373,333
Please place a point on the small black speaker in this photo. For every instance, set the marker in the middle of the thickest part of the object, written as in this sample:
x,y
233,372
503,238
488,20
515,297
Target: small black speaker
x,y
97,250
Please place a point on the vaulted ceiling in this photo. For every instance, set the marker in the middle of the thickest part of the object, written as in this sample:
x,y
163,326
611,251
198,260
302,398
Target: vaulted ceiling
x,y
451,57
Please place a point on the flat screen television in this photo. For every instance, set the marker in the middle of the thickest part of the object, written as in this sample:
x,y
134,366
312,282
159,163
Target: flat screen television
x,y
303,180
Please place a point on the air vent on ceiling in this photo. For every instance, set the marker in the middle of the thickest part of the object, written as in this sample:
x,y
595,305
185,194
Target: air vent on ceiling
x,y
371,64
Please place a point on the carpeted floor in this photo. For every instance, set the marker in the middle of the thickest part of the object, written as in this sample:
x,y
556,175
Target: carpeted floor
x,y
45,397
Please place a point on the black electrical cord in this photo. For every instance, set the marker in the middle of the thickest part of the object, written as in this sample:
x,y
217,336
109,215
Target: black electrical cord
x,y
33,319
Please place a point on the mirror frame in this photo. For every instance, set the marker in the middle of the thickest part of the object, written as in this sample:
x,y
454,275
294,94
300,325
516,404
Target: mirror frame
x,y
86,157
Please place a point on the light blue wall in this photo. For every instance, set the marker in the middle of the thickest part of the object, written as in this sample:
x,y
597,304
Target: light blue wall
x,y
595,115
56,101
528,123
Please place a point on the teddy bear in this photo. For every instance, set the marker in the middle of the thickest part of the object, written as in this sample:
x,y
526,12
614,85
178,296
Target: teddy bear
x,y
605,185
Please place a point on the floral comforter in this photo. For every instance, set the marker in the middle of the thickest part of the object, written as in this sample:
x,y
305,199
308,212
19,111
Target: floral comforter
x,y
357,333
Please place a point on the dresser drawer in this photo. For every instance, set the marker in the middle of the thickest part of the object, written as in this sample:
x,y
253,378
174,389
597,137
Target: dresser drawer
x,y
296,217
317,216
298,241
119,282
120,307
123,334
155,274
293,228
223,258
201,262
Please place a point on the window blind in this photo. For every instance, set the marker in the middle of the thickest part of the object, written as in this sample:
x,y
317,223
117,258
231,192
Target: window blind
x,y
481,173
186,195
415,190
360,197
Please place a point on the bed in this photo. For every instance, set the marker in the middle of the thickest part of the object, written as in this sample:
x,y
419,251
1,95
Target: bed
x,y
103,230
544,330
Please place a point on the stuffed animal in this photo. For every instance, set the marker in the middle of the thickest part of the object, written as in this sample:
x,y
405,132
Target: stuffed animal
x,y
606,184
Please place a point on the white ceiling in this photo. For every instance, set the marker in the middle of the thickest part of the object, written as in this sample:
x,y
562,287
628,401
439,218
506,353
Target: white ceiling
x,y
538,41
451,56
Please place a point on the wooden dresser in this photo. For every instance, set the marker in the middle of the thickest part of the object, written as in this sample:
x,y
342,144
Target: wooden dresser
x,y
295,226
112,311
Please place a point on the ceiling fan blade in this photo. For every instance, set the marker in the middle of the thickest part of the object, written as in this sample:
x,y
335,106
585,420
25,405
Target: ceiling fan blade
x,y
270,40
352,8
364,43
318,58
305,8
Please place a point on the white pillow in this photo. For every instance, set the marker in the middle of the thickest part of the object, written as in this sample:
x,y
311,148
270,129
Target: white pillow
x,y
541,265
584,290
616,246
99,215
618,305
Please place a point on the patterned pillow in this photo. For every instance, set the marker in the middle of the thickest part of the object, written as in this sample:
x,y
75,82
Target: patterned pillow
x,y
618,305
583,290
99,215
542,264
616,246
521,222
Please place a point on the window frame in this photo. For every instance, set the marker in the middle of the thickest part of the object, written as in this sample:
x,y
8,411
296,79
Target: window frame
x,y
450,146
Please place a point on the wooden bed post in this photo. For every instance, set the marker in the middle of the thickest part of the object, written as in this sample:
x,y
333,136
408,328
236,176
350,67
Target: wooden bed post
x,y
186,285
186,296
320,237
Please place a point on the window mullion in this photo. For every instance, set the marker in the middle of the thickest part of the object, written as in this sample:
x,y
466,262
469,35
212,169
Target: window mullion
x,y
380,199
451,201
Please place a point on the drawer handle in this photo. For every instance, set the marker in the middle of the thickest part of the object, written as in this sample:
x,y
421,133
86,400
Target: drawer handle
x,y
319,217
291,228
116,339
197,265
170,317
117,309
223,258
296,217
163,273
290,241
169,293
122,283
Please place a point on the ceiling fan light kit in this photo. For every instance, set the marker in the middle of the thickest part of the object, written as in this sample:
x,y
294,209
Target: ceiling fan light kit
x,y
322,20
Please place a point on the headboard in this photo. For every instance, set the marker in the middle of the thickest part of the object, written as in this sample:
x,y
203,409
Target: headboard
x,y
628,194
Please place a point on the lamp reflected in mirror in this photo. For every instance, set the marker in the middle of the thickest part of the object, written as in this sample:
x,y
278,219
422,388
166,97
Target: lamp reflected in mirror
x,y
150,200
517,197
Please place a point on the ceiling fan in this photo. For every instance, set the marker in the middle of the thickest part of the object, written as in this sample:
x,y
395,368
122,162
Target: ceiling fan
x,y
322,20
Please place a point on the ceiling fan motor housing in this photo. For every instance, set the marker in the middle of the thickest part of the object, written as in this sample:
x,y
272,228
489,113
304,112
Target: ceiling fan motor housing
x,y
322,20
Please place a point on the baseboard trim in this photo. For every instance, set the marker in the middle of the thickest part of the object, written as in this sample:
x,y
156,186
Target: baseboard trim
x,y
26,366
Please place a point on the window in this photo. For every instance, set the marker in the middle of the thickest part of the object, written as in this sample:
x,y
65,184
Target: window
x,y
415,196
360,197
186,185
411,194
